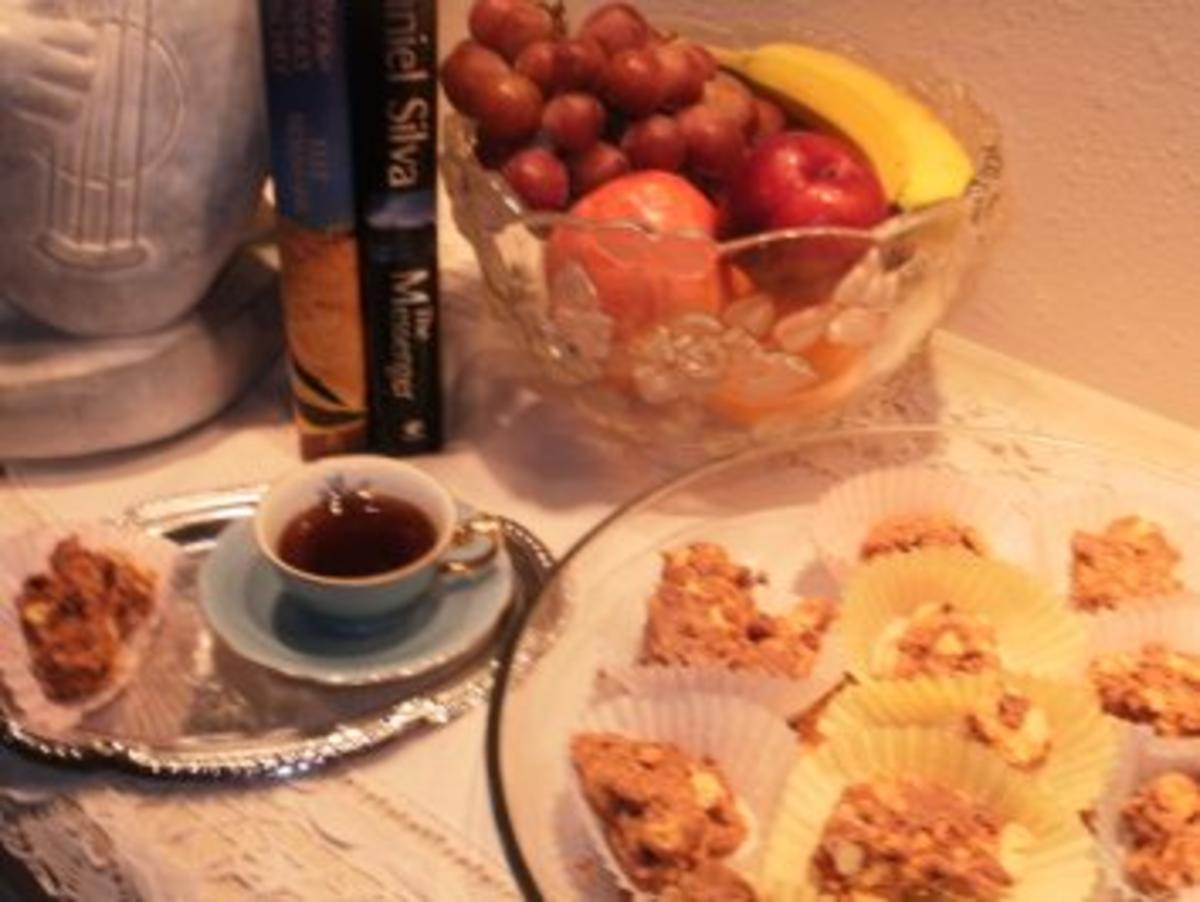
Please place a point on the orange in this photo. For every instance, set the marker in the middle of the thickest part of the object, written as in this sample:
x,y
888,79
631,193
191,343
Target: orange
x,y
756,389
644,279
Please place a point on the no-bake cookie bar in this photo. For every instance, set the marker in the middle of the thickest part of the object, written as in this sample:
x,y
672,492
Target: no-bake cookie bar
x,y
1013,726
1163,822
910,532
76,616
902,840
668,817
1156,686
704,613
937,639
1129,559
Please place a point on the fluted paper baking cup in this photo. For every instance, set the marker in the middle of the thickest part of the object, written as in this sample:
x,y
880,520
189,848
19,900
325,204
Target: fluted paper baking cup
x,y
1083,740
845,514
1175,624
751,747
1035,632
1059,519
783,696
1137,764
1059,863
27,553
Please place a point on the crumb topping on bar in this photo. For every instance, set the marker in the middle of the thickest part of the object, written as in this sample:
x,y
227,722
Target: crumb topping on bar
x,y
76,615
901,840
1155,685
1012,725
1129,559
911,532
703,612
667,816
1163,822
937,639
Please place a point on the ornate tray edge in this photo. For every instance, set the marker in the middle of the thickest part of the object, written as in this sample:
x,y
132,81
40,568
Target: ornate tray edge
x,y
472,688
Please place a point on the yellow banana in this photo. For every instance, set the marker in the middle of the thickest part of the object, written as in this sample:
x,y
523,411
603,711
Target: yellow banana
x,y
917,158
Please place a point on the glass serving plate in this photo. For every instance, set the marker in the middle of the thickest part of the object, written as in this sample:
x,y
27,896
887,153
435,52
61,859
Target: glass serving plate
x,y
803,320
759,504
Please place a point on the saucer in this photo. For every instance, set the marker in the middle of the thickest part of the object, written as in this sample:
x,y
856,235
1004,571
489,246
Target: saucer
x,y
243,599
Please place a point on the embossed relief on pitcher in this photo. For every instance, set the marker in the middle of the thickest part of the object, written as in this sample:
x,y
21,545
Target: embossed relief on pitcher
x,y
132,154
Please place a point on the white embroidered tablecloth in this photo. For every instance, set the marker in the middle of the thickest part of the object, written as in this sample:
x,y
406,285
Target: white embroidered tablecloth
x,y
413,820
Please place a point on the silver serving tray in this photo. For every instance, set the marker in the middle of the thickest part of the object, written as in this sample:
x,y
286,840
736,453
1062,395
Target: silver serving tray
x,y
244,721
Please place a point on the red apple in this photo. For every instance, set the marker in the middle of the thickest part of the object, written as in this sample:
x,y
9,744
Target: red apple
x,y
802,178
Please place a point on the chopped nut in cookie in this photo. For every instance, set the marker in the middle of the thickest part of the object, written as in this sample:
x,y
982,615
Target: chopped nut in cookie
x,y
1156,686
935,640
900,840
1013,726
76,615
1163,821
910,532
667,816
1129,559
704,613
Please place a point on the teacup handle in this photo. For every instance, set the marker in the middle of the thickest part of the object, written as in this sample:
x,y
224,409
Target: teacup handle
x,y
477,526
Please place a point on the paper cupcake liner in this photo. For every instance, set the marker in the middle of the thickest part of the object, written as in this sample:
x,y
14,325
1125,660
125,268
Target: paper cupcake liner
x,y
1176,624
1059,519
1060,862
25,554
784,697
1136,764
1083,740
845,514
752,748
1035,633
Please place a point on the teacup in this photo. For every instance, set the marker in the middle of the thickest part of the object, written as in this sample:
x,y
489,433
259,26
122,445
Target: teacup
x,y
298,504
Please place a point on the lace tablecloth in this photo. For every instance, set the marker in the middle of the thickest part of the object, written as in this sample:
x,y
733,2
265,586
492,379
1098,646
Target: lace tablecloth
x,y
411,821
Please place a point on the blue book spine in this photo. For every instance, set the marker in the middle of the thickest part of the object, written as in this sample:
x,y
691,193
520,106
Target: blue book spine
x,y
305,55
395,100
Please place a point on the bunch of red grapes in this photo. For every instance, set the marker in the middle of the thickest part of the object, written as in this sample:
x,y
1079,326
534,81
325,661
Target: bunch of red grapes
x,y
561,115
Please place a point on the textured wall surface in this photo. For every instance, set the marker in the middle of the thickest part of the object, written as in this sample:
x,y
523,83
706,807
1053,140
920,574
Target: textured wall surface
x,y
1097,275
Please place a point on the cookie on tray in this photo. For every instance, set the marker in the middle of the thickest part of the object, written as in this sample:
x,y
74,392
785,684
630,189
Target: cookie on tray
x,y
939,612
898,510
668,817
1153,685
1162,821
703,613
1129,559
900,839
897,814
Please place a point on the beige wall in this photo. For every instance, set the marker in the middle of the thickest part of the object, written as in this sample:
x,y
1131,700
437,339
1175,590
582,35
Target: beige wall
x,y
1097,275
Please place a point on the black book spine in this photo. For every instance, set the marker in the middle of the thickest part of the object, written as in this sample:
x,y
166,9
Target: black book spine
x,y
394,79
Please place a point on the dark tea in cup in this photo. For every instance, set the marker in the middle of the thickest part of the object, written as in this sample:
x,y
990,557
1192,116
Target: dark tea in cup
x,y
355,534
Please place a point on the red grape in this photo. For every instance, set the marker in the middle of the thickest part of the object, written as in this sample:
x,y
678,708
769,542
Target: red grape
x,y
468,68
770,119
509,108
578,64
492,152
655,143
508,26
682,79
573,121
632,81
715,143
598,164
617,27
733,99
704,61
539,178
536,62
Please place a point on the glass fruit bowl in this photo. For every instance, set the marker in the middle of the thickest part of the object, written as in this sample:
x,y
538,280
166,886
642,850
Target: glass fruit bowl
x,y
704,347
